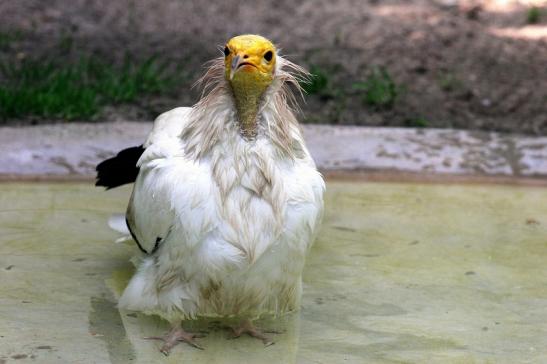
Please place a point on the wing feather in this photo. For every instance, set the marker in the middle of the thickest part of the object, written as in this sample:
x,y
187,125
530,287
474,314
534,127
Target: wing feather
x,y
150,215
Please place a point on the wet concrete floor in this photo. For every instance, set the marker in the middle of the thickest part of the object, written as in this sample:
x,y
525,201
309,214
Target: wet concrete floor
x,y
400,273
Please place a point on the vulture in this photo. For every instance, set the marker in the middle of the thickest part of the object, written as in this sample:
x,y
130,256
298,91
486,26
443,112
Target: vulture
x,y
226,198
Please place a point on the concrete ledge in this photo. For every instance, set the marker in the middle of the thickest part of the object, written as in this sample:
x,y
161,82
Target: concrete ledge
x,y
74,149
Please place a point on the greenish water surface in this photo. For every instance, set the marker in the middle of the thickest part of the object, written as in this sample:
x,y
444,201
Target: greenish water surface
x,y
400,273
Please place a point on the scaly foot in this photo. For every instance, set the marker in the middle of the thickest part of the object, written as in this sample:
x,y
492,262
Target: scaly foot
x,y
248,328
176,335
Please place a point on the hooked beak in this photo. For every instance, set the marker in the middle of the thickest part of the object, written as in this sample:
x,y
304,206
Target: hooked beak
x,y
237,63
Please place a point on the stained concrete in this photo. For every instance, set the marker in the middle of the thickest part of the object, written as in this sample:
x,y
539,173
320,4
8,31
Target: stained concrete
x,y
401,273
75,149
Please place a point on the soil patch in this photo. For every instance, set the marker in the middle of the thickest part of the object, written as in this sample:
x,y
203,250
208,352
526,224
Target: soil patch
x,y
449,64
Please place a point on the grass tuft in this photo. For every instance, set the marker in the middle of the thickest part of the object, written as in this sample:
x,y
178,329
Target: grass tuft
x,y
449,82
7,38
317,83
533,15
380,91
419,122
77,91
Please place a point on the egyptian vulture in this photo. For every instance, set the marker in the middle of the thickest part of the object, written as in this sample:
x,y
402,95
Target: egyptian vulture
x,y
226,199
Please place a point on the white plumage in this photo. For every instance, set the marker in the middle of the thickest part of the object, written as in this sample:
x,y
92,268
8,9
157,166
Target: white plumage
x,y
226,220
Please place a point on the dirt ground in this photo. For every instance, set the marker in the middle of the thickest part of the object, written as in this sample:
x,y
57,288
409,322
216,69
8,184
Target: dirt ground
x,y
462,64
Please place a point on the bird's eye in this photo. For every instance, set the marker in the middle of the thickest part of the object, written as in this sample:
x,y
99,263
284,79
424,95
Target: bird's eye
x,y
268,56
226,51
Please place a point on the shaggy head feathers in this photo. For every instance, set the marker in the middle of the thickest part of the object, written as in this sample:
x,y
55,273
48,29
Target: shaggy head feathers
x,y
214,116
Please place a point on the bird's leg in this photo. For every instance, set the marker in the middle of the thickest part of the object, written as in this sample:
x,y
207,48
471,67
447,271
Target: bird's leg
x,y
247,327
176,335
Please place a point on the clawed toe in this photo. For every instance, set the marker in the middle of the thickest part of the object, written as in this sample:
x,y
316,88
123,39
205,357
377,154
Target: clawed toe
x,y
174,337
270,331
248,328
199,334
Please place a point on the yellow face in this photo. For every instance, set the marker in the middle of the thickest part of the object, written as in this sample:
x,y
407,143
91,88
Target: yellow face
x,y
249,58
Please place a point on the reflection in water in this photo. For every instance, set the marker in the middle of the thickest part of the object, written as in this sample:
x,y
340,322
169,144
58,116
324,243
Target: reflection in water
x,y
218,348
399,273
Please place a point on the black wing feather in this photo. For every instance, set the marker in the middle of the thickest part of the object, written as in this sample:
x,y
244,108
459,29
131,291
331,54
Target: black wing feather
x,y
119,170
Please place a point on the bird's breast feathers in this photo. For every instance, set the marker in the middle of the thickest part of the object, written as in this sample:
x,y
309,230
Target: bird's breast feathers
x,y
245,194
242,217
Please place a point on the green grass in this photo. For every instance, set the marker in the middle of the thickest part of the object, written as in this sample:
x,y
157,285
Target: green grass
x,y
7,38
418,122
533,15
379,89
317,83
77,91
449,82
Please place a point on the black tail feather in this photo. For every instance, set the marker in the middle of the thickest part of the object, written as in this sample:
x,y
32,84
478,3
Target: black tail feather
x,y
120,169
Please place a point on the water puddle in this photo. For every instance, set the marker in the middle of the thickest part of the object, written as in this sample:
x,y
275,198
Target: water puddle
x,y
400,273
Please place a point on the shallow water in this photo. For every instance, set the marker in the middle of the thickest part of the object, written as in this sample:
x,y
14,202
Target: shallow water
x,y
400,273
